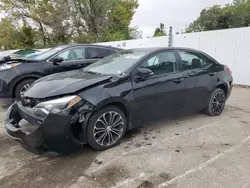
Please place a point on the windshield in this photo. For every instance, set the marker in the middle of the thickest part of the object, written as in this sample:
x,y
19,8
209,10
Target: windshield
x,y
47,54
25,52
117,63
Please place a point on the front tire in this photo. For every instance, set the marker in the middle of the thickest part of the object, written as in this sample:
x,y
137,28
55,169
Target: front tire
x,y
106,128
22,87
216,103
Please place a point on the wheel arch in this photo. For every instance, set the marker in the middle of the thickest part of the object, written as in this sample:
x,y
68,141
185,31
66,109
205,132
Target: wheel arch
x,y
224,87
20,79
121,104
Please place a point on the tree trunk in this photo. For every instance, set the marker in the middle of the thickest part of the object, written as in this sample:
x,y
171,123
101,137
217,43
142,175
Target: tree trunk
x,y
44,37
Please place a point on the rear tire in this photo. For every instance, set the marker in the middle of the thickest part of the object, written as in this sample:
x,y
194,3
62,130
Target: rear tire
x,y
216,103
106,128
22,87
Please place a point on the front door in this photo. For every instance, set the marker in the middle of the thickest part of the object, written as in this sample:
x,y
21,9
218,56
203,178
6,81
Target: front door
x,y
162,93
201,78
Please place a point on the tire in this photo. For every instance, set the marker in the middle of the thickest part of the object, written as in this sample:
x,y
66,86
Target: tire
x,y
216,103
20,86
96,128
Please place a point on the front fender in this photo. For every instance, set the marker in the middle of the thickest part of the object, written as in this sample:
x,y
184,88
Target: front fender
x,y
100,96
113,100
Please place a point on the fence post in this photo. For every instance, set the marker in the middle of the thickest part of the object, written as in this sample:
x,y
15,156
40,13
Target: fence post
x,y
170,36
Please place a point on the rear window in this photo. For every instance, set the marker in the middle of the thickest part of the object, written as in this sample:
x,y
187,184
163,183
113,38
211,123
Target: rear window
x,y
95,52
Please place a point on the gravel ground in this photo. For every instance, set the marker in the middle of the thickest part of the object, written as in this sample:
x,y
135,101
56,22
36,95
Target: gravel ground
x,y
191,151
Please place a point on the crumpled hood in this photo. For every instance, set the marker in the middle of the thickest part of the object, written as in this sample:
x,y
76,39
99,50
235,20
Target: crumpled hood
x,y
64,83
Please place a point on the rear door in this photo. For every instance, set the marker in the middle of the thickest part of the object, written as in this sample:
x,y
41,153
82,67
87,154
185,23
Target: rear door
x,y
201,78
162,93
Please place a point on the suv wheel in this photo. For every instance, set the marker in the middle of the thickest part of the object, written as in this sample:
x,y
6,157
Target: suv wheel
x,y
22,87
216,103
106,128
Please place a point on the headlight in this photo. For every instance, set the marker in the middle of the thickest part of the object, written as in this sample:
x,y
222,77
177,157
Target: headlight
x,y
63,104
8,66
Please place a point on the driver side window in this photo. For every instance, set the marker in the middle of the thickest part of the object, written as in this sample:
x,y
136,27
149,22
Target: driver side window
x,y
73,54
161,63
64,55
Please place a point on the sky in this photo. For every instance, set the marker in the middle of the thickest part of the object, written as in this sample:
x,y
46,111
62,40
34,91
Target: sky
x,y
175,13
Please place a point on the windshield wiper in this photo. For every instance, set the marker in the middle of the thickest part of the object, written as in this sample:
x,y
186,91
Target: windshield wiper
x,y
90,72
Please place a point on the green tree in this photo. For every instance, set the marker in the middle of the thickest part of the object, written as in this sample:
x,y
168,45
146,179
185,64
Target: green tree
x,y
160,31
47,23
217,17
27,37
237,2
135,33
209,19
120,17
12,37
8,35
105,20
51,17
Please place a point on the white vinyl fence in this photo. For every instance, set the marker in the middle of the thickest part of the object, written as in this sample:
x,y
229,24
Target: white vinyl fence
x,y
139,43
230,47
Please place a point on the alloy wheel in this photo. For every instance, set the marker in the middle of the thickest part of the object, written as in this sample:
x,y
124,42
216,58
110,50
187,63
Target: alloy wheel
x,y
23,89
218,102
108,128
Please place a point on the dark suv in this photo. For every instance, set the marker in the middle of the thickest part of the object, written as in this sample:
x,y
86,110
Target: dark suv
x,y
17,75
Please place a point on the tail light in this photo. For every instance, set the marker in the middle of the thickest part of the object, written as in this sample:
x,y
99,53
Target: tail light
x,y
228,70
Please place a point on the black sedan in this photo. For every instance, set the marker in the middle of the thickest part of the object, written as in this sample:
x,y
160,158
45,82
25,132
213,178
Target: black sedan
x,y
98,104
18,74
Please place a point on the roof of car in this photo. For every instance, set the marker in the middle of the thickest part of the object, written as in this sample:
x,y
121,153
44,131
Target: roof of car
x,y
94,45
147,49
151,49
156,49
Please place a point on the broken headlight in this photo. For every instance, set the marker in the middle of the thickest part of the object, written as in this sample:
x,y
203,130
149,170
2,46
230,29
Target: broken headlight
x,y
61,105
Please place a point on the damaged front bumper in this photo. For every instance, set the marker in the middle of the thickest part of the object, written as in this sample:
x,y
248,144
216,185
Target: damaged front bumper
x,y
52,133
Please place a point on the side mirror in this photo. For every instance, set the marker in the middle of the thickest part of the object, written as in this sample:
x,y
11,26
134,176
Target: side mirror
x,y
144,72
56,60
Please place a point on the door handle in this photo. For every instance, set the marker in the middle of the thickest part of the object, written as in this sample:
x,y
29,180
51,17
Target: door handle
x,y
178,80
211,73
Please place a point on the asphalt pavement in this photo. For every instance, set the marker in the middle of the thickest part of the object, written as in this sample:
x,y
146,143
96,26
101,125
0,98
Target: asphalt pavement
x,y
190,151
